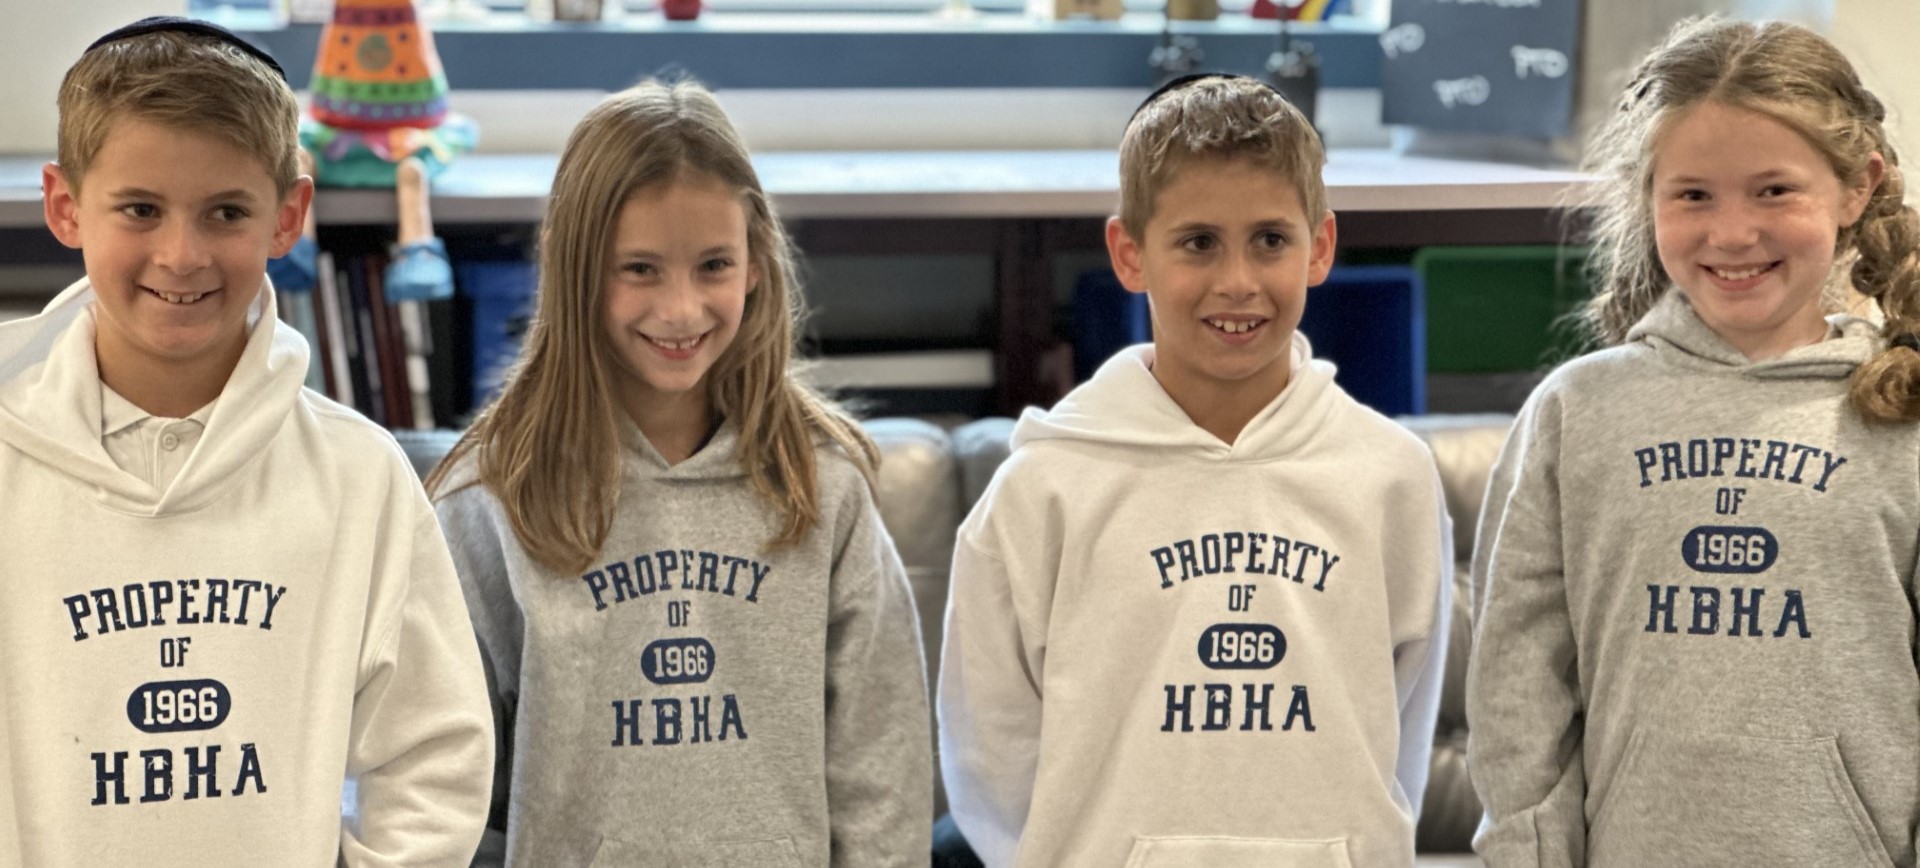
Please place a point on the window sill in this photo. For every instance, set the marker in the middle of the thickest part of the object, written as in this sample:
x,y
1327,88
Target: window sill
x,y
841,50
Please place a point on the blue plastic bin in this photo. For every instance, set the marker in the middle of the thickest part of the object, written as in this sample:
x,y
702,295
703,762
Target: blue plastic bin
x,y
502,293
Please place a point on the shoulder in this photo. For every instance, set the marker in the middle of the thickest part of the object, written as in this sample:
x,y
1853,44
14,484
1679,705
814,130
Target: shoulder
x,y
1599,369
1360,433
840,485
350,442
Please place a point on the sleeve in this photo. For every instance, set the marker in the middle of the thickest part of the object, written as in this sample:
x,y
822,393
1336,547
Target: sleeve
x,y
480,560
990,692
879,747
1523,692
1420,666
421,746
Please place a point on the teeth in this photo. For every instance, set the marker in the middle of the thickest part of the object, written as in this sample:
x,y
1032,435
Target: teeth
x,y
1232,327
1723,274
180,299
686,344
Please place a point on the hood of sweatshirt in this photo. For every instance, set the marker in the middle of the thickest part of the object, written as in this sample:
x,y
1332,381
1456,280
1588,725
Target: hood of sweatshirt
x,y
50,404
1124,405
715,459
1678,336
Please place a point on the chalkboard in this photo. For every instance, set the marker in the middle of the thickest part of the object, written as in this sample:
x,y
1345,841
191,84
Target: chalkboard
x,y
1484,66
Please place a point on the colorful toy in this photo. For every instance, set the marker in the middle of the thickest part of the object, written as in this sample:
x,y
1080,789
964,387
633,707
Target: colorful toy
x,y
380,100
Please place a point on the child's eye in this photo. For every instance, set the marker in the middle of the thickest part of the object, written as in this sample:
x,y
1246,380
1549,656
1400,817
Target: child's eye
x,y
638,269
1692,195
1199,243
1270,240
140,210
716,265
1775,191
230,213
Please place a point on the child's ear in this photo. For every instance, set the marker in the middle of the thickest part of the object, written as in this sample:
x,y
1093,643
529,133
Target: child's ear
x,y
291,220
1124,250
61,202
1861,191
753,277
1320,258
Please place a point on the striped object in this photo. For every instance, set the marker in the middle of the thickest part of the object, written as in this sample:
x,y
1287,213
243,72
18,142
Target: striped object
x,y
377,69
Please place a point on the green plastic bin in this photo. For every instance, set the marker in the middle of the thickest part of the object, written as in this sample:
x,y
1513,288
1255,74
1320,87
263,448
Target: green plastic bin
x,y
1500,309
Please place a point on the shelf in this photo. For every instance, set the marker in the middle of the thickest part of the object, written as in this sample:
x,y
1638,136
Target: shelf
x,y
512,188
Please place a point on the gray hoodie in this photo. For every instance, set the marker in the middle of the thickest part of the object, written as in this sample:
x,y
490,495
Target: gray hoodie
x,y
1695,640
692,698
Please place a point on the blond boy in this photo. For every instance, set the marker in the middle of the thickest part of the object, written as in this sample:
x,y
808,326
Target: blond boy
x,y
225,595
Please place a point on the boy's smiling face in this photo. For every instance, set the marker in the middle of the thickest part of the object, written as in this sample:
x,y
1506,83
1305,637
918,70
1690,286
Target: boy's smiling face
x,y
1225,259
176,227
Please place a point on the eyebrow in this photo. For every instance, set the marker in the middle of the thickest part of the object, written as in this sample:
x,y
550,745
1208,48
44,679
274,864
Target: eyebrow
x,y
1281,223
1768,175
236,194
643,253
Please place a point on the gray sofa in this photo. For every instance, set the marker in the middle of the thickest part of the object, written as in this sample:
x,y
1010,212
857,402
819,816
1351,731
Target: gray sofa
x,y
930,477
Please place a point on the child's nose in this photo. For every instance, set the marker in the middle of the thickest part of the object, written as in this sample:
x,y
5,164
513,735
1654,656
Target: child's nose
x,y
1239,277
182,249
1735,228
680,300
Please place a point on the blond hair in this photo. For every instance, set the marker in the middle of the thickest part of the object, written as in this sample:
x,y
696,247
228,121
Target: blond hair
x,y
1798,78
186,81
549,448
1223,118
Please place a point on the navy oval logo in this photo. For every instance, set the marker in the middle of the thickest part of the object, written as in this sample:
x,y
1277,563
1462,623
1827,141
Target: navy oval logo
x,y
1242,646
179,706
677,661
1715,549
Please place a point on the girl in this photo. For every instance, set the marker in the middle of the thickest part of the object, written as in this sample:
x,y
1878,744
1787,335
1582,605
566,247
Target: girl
x,y
1695,641
701,642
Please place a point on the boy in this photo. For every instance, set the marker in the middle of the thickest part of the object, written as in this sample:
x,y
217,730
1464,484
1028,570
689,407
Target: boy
x,y
1199,616
224,594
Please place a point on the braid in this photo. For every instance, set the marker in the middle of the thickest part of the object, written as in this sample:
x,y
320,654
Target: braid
x,y
1887,387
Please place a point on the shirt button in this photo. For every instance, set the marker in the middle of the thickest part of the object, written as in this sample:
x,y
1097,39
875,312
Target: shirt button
x,y
169,441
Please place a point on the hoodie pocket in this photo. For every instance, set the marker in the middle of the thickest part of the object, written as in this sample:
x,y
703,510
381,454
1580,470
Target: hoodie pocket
x,y
1198,852
1728,800
773,853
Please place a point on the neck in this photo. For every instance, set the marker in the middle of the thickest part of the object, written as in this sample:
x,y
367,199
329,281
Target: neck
x,y
1782,344
675,424
165,387
1223,408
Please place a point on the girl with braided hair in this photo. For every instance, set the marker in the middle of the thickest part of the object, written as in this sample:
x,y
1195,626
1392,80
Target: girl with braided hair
x,y
1695,594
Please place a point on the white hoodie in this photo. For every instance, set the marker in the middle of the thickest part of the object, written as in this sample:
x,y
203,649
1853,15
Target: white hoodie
x,y
1093,710
291,583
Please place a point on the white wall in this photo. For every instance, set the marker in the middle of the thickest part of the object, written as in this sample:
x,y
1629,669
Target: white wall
x,y
1880,36
40,40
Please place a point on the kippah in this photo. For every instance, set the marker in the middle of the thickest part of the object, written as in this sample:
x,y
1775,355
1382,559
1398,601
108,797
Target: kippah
x,y
159,23
1182,81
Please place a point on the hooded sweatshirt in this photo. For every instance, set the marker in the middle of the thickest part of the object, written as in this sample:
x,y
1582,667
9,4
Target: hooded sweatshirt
x,y
694,699
1167,650
189,673
1696,632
